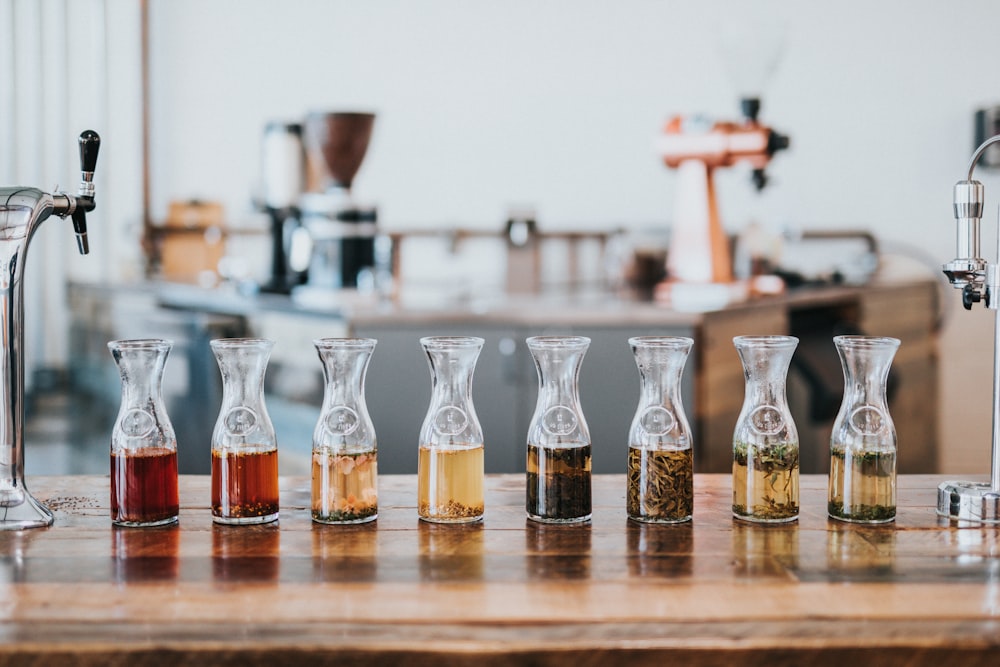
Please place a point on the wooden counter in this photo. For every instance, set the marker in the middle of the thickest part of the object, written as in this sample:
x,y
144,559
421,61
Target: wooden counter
x,y
504,592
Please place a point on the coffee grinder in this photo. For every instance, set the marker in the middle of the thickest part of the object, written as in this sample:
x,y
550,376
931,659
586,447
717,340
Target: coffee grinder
x,y
341,232
695,147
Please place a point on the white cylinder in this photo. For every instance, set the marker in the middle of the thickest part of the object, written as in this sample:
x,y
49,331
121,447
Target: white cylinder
x,y
283,165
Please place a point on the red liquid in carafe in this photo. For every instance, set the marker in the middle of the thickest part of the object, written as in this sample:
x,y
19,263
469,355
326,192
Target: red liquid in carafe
x,y
245,484
144,486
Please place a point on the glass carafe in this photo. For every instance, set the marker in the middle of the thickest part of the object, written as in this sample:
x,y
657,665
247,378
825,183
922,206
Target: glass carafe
x,y
765,442
558,466
863,442
450,465
244,447
143,444
660,461
344,470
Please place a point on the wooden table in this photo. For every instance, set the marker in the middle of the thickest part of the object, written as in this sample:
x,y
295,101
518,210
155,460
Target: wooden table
x,y
504,592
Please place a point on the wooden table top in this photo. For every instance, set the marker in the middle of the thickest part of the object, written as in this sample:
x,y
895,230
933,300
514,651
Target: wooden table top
x,y
506,591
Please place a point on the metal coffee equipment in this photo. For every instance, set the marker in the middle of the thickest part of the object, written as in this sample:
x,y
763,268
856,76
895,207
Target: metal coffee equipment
x,y
341,231
979,281
22,210
695,147
283,181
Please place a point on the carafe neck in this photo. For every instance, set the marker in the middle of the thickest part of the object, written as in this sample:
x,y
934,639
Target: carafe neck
x,y
140,364
765,362
661,363
866,361
242,362
558,419
345,363
451,417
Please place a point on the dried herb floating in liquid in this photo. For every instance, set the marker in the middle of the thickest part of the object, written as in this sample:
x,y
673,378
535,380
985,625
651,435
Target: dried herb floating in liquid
x,y
558,483
660,484
766,481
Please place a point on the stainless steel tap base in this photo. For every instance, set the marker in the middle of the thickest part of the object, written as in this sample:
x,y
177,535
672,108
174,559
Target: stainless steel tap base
x,y
969,501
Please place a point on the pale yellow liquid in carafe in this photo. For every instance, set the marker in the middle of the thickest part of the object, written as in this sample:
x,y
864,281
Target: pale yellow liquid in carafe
x,y
450,483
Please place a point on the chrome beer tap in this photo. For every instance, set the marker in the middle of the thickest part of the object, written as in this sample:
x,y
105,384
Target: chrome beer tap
x,y
979,281
22,210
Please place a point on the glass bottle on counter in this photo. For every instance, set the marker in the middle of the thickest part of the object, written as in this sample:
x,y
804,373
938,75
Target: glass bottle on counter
x,y
862,484
344,465
559,464
765,441
244,447
660,461
143,444
450,465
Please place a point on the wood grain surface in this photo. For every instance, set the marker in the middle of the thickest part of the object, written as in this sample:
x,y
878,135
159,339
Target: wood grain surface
x,y
503,592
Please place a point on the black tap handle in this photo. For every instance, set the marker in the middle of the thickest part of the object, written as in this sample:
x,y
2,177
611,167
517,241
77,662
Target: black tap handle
x,y
90,144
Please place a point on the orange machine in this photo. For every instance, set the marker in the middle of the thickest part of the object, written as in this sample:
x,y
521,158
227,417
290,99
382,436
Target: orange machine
x,y
699,249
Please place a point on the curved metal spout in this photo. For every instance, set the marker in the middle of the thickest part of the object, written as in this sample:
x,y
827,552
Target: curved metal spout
x,y
979,153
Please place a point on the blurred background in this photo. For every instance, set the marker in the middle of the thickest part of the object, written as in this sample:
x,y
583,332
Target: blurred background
x,y
486,113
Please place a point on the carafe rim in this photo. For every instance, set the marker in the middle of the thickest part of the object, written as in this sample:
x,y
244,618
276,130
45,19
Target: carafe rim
x,y
225,343
563,342
766,341
140,344
666,342
440,342
866,342
345,343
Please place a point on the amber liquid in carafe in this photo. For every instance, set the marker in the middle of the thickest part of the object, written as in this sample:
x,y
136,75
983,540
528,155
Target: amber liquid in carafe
x,y
660,484
766,482
245,484
144,486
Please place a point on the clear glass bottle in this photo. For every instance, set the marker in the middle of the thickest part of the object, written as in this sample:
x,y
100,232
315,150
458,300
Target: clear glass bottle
x,y
450,465
559,464
765,442
143,444
344,465
660,461
244,447
862,485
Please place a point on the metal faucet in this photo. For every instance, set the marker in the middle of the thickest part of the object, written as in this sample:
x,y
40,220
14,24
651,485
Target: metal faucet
x,y
22,210
979,281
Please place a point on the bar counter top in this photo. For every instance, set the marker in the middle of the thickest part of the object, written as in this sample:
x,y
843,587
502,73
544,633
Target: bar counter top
x,y
506,591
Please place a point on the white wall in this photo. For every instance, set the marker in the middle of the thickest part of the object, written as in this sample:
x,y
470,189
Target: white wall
x,y
557,103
